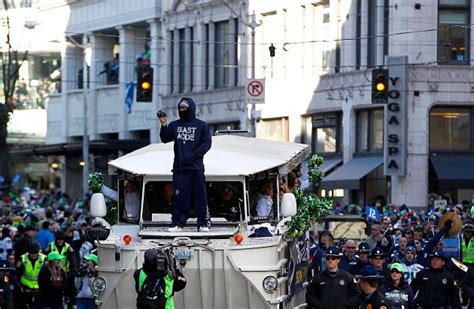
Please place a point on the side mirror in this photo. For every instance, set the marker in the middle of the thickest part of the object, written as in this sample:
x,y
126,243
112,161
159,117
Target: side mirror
x,y
288,205
98,233
98,206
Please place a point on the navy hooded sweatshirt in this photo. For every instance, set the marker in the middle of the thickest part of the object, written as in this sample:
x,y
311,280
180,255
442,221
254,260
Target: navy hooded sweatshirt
x,y
191,140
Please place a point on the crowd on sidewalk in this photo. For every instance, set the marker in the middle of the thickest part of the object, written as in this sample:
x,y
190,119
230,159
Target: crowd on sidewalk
x,y
404,261
45,251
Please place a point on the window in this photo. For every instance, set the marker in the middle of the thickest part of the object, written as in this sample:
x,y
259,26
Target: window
x,y
222,126
370,130
191,61
225,200
450,128
182,60
322,132
371,33
171,75
326,62
358,33
207,62
326,18
274,129
453,31
222,54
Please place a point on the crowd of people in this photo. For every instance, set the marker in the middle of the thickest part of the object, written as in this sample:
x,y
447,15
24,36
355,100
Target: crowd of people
x,y
45,251
404,262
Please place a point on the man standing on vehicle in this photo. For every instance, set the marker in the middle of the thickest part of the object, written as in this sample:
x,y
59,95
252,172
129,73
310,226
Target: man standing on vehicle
x,y
333,287
192,141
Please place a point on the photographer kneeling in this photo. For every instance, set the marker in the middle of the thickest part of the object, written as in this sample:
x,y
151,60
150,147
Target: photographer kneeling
x,y
157,281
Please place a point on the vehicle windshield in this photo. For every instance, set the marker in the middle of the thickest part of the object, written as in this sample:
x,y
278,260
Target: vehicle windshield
x,y
225,201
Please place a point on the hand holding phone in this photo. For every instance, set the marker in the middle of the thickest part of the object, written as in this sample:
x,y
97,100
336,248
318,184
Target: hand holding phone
x,y
162,116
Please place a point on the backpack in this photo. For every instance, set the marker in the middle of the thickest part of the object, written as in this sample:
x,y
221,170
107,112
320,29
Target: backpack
x,y
152,294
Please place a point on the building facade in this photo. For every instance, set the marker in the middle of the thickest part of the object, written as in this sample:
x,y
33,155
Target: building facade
x,y
196,48
317,84
348,129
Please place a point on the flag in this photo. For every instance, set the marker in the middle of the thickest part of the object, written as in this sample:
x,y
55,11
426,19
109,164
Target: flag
x,y
372,213
129,96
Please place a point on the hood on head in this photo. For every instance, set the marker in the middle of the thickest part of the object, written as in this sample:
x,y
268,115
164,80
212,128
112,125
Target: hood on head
x,y
191,115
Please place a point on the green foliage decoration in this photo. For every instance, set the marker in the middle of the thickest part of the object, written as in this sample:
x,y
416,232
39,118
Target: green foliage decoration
x,y
310,207
95,183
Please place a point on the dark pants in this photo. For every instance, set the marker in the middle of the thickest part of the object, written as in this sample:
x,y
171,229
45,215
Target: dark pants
x,y
190,187
86,303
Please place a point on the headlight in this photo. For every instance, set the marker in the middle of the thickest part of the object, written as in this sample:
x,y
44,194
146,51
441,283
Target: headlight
x,y
98,285
270,283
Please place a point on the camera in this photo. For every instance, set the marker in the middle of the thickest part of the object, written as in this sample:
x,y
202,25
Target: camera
x,y
162,261
161,114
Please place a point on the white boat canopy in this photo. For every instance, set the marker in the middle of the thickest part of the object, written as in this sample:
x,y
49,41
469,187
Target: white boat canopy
x,y
230,155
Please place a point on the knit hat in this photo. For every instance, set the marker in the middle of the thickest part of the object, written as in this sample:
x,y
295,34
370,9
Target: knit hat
x,y
410,249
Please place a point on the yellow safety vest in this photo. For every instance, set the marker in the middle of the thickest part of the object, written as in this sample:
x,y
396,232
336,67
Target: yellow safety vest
x,y
467,251
63,253
30,276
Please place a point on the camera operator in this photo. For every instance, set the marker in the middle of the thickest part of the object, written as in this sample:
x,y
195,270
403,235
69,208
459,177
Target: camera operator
x,y
85,297
157,280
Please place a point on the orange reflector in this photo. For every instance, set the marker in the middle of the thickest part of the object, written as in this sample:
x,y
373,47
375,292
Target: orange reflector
x,y
238,238
127,239
146,85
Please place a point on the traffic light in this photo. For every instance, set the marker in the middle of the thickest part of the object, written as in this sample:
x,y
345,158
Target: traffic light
x,y
145,84
379,86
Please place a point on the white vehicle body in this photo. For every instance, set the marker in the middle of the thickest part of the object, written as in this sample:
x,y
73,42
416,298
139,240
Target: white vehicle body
x,y
220,273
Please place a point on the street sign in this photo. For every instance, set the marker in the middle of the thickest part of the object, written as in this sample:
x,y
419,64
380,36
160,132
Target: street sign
x,y
255,91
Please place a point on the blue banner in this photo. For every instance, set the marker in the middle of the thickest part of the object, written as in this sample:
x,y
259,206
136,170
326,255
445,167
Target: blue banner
x,y
372,213
129,87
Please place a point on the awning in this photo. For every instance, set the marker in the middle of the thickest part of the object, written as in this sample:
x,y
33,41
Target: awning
x,y
454,171
97,147
329,164
349,175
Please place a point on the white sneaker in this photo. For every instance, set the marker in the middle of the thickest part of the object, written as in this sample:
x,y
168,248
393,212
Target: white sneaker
x,y
175,229
203,229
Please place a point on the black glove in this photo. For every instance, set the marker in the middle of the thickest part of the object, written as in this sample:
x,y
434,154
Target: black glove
x,y
448,224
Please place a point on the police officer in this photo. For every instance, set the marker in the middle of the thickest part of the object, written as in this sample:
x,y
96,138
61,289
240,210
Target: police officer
x,y
377,259
436,286
369,282
363,255
333,287
28,269
467,245
68,261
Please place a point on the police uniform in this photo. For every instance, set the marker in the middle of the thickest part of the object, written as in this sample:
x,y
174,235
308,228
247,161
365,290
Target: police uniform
x,y
383,271
333,289
28,271
374,300
436,287
363,248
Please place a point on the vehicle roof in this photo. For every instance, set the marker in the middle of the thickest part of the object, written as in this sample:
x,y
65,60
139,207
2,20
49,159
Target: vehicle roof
x,y
229,155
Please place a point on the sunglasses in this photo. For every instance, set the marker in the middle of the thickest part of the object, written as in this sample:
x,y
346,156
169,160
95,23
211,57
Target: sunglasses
x,y
378,258
331,258
395,271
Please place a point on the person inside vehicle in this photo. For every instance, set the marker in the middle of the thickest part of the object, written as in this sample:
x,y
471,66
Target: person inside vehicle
x,y
227,204
131,199
265,200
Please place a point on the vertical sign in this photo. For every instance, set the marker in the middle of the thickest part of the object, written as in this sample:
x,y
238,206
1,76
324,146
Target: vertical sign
x,y
395,124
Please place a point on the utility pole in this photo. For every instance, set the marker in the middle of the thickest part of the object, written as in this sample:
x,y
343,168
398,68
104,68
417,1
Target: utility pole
x,y
253,25
85,136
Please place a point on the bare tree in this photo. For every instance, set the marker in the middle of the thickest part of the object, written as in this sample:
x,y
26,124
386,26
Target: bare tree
x,y
11,61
